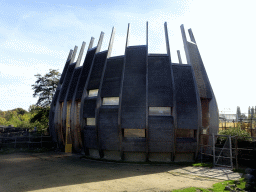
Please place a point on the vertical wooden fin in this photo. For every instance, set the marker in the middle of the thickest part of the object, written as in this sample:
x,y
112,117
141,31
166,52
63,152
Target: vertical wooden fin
x,y
128,36
91,43
69,55
184,38
147,131
178,52
167,40
80,55
192,38
73,55
111,41
100,42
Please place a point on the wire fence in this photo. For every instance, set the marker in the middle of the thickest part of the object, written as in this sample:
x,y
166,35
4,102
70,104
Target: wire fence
x,y
228,151
13,137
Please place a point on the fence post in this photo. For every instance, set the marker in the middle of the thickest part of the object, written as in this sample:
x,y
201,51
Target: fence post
x,y
236,153
41,140
15,142
213,149
230,149
28,139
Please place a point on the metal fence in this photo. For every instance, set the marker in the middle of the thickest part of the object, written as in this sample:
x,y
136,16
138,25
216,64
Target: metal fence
x,y
13,137
228,151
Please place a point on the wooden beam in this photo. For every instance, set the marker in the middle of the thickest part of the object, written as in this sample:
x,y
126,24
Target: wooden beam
x,y
178,52
147,131
73,55
91,43
120,98
192,38
98,102
78,61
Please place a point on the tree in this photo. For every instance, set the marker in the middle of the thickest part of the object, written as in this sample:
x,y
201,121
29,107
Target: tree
x,y
45,87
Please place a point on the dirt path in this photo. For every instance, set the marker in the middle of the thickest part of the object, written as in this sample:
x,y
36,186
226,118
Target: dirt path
x,y
60,172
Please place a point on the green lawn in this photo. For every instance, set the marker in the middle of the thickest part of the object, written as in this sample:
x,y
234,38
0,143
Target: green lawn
x,y
217,187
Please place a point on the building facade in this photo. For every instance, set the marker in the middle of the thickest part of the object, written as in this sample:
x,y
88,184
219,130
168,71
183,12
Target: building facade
x,y
134,107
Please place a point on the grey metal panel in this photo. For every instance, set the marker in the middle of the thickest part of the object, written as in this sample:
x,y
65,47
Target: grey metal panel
x,y
187,110
160,93
84,73
66,82
97,69
89,108
73,83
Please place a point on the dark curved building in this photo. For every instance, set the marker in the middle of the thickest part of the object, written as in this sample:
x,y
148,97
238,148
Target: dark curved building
x,y
134,107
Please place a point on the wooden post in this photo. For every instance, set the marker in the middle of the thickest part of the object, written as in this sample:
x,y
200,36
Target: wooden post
x,y
41,140
120,98
179,57
230,150
15,142
236,153
147,131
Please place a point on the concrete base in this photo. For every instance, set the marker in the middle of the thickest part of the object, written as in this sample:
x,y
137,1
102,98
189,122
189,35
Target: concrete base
x,y
112,155
184,157
94,153
135,156
160,157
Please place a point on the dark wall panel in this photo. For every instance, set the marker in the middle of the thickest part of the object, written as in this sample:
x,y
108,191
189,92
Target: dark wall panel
x,y
160,93
108,128
56,97
203,83
73,83
134,144
66,82
84,73
94,81
64,72
161,133
112,77
89,108
90,137
187,111
133,110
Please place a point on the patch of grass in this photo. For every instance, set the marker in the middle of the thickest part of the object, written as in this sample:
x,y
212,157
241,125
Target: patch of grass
x,y
210,165
217,187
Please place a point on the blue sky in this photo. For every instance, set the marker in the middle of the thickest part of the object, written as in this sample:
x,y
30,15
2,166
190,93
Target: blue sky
x,y
36,36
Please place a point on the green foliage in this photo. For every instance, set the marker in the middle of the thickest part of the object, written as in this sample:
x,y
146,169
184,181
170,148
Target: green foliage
x,y
203,165
45,87
235,131
40,117
217,187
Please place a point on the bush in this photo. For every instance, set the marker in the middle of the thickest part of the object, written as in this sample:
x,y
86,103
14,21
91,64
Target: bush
x,y
235,131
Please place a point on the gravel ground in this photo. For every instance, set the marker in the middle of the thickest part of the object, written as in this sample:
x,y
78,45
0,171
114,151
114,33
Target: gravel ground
x,y
62,172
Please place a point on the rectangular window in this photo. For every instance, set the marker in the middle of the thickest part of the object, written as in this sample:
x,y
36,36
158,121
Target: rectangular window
x,y
160,111
185,133
90,121
93,93
134,133
110,101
